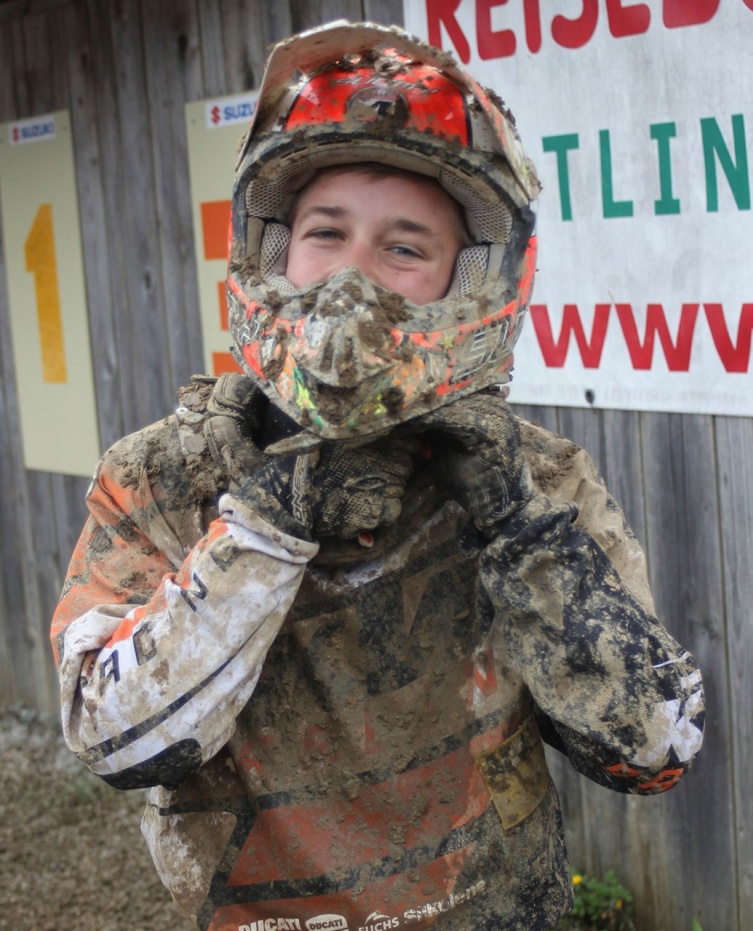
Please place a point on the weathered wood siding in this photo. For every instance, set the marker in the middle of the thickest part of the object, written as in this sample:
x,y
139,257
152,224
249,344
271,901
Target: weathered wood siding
x,y
124,69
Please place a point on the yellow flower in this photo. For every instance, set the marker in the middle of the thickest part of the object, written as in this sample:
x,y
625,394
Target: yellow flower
x,y
577,878
618,903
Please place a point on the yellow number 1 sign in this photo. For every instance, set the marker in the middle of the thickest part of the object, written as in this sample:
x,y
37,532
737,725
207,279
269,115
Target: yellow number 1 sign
x,y
47,296
41,262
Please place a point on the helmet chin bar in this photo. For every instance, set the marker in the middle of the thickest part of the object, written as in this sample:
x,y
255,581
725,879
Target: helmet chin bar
x,y
347,358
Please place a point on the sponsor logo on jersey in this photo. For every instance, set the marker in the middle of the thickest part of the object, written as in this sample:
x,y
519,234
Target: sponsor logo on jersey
x,y
379,922
273,924
36,130
434,909
327,923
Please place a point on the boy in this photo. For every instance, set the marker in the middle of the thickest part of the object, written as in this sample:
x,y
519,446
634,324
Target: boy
x,y
328,610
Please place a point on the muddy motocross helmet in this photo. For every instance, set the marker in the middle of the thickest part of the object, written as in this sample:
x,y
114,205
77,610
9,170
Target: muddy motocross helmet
x,y
347,358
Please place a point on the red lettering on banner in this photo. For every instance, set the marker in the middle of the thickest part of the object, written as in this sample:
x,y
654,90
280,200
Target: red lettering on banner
x,y
442,13
555,354
532,15
735,358
575,33
677,353
627,21
689,12
492,44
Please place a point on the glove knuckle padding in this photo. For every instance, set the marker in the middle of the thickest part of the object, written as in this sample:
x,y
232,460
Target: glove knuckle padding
x,y
235,408
359,488
480,457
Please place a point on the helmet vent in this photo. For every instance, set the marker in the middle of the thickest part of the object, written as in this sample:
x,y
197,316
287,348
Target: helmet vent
x,y
266,199
274,244
470,270
488,222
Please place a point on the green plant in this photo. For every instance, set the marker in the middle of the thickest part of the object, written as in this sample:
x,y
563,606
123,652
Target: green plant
x,y
600,905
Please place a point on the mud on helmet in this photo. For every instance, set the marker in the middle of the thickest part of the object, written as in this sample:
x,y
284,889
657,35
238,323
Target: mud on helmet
x,y
347,358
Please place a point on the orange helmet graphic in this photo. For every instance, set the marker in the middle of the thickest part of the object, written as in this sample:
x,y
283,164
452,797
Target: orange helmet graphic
x,y
347,358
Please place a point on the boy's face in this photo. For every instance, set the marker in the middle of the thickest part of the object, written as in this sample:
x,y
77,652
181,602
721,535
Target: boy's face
x,y
402,231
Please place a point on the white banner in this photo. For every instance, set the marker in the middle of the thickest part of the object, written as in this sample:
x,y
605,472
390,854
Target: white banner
x,y
47,295
639,117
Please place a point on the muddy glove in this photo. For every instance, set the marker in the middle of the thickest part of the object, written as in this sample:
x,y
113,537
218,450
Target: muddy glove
x,y
237,409
361,488
477,455
333,491
338,490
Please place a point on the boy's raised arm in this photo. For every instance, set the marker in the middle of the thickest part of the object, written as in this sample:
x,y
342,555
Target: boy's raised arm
x,y
624,700
157,659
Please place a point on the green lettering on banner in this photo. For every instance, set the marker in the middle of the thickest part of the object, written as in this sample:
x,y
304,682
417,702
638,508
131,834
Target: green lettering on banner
x,y
667,203
612,207
735,171
561,145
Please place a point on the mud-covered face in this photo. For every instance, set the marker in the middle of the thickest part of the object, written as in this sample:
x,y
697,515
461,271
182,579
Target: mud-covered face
x,y
402,231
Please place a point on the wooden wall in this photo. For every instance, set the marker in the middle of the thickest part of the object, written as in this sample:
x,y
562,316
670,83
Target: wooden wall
x,y
124,69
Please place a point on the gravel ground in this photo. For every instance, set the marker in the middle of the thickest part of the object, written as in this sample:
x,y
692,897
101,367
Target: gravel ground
x,y
71,851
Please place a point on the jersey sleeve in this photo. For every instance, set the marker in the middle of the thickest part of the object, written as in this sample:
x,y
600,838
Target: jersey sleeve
x,y
158,646
567,580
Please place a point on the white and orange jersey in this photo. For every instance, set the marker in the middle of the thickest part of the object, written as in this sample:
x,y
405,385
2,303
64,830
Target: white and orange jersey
x,y
350,738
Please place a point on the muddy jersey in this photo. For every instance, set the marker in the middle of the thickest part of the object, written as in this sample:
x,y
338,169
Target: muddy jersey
x,y
341,737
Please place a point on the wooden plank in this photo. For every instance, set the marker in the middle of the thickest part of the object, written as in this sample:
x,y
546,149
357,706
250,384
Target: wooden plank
x,y
309,13
90,97
14,9
244,44
211,49
11,601
45,564
387,12
622,463
278,21
584,426
734,450
685,557
173,76
142,337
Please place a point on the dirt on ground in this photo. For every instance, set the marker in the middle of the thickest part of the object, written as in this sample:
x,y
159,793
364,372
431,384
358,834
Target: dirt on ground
x,y
71,851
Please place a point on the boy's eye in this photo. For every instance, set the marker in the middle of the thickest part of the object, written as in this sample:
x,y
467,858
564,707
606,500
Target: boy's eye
x,y
402,249
323,233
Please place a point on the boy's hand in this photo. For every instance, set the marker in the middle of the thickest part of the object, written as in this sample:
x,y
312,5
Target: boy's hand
x,y
361,488
477,455
339,490
335,491
237,409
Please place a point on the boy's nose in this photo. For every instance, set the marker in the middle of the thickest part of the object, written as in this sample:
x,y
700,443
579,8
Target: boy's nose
x,y
361,256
